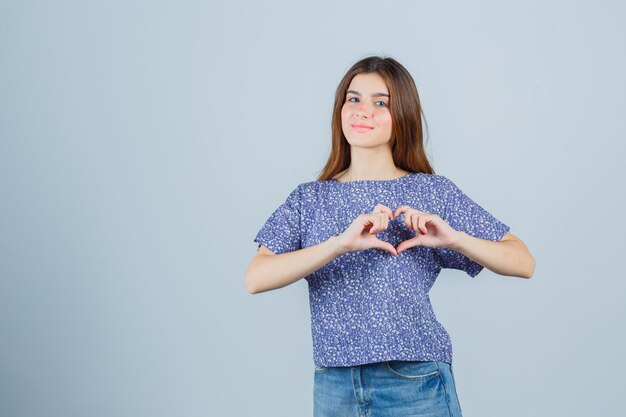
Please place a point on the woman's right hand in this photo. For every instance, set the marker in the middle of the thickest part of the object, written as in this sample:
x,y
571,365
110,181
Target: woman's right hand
x,y
361,234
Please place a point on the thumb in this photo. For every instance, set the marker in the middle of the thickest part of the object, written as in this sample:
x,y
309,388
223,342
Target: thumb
x,y
385,246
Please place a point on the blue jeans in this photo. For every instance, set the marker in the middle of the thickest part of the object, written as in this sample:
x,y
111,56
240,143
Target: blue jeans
x,y
391,388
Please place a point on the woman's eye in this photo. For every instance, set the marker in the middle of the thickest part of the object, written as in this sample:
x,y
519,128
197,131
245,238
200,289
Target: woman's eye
x,y
355,100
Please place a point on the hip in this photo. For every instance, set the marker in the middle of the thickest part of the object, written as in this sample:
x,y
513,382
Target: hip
x,y
389,388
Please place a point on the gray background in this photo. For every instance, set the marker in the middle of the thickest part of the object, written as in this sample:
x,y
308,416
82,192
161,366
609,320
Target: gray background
x,y
143,145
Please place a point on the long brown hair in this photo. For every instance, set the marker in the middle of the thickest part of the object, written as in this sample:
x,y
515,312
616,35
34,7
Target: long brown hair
x,y
404,105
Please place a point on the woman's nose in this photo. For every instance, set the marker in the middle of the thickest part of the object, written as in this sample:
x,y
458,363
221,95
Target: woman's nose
x,y
363,109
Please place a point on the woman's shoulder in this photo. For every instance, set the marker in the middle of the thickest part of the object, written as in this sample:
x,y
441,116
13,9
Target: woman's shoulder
x,y
434,179
317,186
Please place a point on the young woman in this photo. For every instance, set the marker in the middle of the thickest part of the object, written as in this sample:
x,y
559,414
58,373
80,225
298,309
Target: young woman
x,y
370,237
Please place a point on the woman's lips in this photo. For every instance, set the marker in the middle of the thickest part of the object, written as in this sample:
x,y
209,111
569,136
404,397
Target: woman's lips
x,y
361,128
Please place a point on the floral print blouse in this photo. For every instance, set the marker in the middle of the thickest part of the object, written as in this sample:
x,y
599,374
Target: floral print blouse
x,y
372,306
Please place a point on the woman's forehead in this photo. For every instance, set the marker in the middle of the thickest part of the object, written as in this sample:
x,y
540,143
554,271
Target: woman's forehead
x,y
368,84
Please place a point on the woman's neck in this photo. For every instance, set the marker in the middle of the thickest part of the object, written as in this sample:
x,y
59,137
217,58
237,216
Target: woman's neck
x,y
348,175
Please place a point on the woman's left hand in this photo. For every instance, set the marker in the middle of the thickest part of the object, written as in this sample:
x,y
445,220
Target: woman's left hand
x,y
431,230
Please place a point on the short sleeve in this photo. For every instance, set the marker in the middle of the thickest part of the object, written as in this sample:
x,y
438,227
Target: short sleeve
x,y
281,231
464,214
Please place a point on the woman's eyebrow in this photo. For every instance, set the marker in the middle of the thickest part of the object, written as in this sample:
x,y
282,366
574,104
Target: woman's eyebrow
x,y
373,95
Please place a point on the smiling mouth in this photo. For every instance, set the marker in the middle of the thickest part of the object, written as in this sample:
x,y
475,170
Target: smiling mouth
x,y
362,128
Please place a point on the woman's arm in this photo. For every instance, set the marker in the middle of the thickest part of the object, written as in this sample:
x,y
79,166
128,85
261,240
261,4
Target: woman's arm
x,y
510,256
268,271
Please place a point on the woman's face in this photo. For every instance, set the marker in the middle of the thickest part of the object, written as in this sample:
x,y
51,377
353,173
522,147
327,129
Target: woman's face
x,y
366,103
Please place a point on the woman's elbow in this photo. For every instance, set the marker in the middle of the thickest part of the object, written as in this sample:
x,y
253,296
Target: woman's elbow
x,y
530,267
249,287
250,281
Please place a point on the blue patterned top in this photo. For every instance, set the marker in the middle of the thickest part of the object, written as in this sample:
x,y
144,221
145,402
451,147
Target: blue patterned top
x,y
371,306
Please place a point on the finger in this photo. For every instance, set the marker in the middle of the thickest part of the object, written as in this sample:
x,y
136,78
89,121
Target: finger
x,y
407,244
383,209
365,222
384,220
376,227
385,246
388,212
366,219
422,223
408,220
401,210
389,247
415,221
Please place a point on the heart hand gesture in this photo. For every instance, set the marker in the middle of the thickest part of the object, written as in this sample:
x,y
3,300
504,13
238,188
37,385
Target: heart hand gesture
x,y
431,230
361,234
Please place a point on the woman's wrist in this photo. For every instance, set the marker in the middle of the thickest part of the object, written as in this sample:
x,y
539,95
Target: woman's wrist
x,y
459,240
337,245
